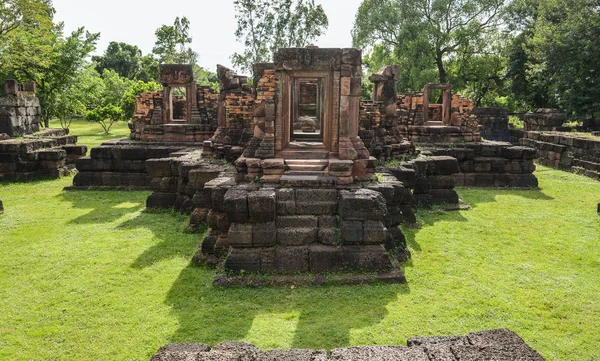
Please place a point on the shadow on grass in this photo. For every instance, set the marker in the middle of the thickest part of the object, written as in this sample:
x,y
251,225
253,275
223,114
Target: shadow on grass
x,y
104,206
320,317
476,196
173,242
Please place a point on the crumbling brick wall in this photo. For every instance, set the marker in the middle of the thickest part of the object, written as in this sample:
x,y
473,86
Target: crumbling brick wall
x,y
20,111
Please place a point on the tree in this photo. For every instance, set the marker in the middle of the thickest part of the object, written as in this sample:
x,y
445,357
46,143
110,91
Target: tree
x,y
566,49
150,69
436,30
123,58
265,26
172,43
17,13
172,47
68,106
105,116
27,37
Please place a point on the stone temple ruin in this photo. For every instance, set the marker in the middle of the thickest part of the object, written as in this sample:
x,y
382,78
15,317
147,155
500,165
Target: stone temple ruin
x,y
28,153
287,172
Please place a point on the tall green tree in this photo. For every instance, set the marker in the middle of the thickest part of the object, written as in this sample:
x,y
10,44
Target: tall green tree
x,y
173,42
432,30
18,13
50,59
566,49
267,25
123,58
172,46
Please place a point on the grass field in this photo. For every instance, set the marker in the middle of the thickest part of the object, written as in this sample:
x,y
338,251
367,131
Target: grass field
x,y
92,134
93,276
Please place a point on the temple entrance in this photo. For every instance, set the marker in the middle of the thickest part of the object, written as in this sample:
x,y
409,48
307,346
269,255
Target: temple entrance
x,y
307,111
179,105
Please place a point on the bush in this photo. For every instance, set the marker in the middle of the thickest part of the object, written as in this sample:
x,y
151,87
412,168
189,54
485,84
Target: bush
x,y
515,122
105,116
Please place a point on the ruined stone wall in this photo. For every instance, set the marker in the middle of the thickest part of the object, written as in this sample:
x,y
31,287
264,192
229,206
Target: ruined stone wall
x,y
120,164
20,111
381,132
208,100
432,179
498,345
544,119
387,130
267,230
147,123
48,155
236,103
490,164
145,106
566,152
495,126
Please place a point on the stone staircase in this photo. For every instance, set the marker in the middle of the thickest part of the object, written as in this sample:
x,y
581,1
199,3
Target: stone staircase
x,y
304,150
306,163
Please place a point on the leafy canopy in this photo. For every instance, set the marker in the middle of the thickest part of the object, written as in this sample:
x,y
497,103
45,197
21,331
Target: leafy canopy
x,y
427,34
267,25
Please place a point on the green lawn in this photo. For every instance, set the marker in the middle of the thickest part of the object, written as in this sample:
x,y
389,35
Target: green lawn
x,y
92,276
92,134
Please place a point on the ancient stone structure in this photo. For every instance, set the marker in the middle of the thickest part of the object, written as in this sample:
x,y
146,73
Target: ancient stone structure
x,y
566,152
432,179
167,117
380,122
293,205
497,345
494,125
46,155
121,164
20,111
544,119
491,164
33,154
236,107
334,154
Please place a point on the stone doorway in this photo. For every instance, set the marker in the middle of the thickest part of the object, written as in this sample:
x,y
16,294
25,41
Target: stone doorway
x,y
307,111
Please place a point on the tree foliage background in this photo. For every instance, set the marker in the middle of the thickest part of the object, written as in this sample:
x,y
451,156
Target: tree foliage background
x,y
267,25
519,54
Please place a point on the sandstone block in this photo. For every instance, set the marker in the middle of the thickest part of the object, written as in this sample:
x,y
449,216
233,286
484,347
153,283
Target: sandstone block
x,y
261,205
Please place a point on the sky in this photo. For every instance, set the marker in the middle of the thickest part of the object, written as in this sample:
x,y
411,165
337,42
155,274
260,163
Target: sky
x,y
212,23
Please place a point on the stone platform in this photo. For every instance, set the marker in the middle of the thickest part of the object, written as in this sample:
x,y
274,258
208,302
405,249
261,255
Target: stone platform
x,y
121,164
489,164
565,151
440,134
278,231
46,155
497,345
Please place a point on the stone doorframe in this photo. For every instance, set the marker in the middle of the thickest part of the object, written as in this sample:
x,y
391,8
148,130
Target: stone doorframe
x,y
285,107
446,102
177,76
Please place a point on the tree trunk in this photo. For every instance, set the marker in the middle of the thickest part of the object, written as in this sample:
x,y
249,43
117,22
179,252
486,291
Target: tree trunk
x,y
440,65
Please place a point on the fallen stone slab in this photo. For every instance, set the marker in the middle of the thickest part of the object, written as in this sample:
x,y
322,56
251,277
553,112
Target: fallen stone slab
x,y
497,345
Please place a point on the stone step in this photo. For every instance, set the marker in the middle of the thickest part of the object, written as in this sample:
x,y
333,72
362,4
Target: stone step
x,y
303,154
307,164
304,172
307,180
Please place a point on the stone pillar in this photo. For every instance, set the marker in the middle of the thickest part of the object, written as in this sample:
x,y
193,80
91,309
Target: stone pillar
x,y
167,107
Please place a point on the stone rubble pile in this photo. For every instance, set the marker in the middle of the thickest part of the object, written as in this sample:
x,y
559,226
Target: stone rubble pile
x,y
496,345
